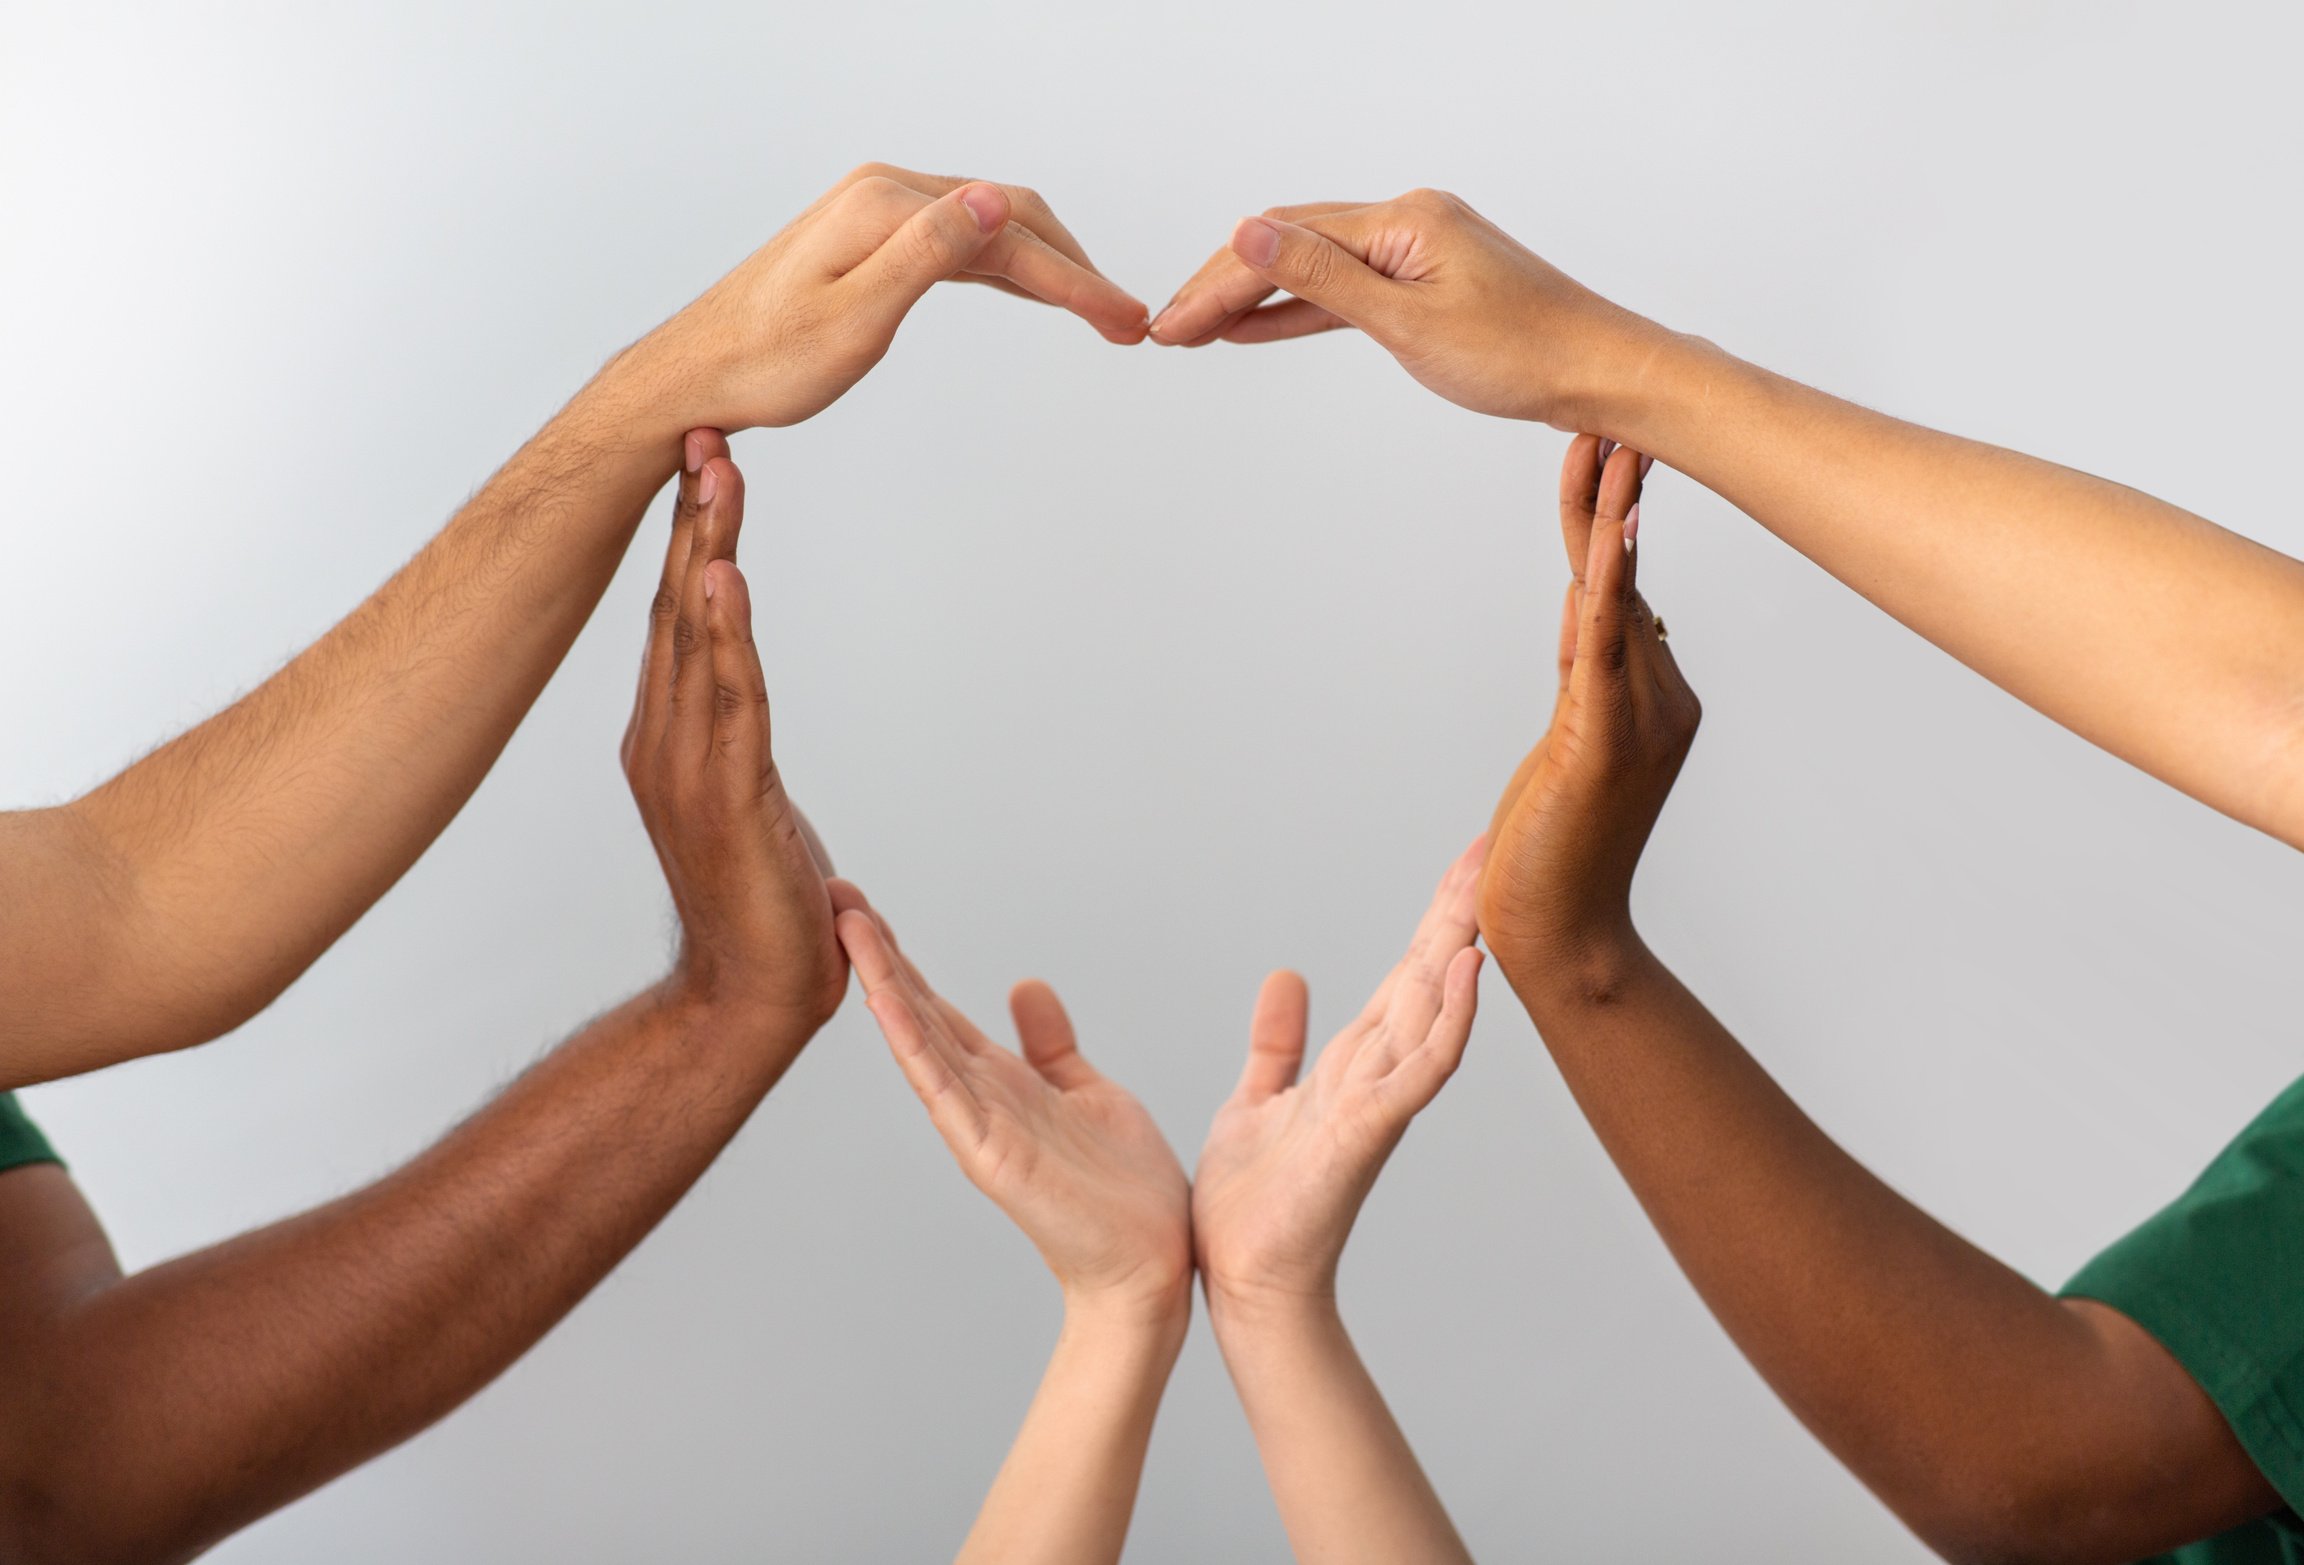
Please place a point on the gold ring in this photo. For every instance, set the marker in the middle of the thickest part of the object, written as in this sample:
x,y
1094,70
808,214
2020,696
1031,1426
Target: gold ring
x,y
1661,633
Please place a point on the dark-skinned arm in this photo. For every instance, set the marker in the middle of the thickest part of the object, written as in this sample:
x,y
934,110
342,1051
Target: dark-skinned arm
x,y
1999,1422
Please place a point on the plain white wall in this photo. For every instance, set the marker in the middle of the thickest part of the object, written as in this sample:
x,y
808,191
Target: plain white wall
x,y
1148,671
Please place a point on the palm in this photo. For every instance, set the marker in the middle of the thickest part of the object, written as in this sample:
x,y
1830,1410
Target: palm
x,y
1288,1163
1071,1157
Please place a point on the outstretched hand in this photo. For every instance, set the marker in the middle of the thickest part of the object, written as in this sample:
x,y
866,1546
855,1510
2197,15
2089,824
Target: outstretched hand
x,y
1464,307
1070,1156
806,316
1556,898
746,877
1288,1163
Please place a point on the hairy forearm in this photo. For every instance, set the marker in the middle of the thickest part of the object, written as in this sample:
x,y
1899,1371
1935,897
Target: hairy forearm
x,y
163,1411
231,857
1346,1482
1996,1420
1068,1488
2173,643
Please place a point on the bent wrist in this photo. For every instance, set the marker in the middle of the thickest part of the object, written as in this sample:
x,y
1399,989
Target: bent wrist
x,y
1559,976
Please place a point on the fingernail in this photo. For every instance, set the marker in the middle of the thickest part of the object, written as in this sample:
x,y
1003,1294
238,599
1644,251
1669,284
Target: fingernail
x,y
1646,463
1632,524
709,575
1153,330
691,453
1607,450
983,204
707,485
1255,241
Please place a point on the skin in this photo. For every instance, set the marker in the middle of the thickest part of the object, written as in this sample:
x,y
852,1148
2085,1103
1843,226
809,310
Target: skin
x,y
1078,1164
178,899
1287,1164
1999,1422
149,1416
2158,635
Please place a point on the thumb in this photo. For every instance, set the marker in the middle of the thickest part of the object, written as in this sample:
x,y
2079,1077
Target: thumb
x,y
933,243
1314,267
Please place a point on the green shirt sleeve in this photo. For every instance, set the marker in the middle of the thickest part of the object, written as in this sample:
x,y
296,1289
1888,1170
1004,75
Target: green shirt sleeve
x,y
20,1139
2218,1277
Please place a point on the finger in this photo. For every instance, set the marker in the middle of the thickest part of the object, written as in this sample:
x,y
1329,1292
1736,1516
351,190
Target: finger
x,y
651,705
1579,498
1316,268
1022,256
846,896
1026,206
740,750
719,518
1277,322
938,238
1224,290
1602,654
931,1068
955,1028
1046,1034
1275,1038
1449,925
1428,1067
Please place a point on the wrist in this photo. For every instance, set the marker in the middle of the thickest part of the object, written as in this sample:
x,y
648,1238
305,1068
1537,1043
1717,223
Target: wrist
x,y
1153,1323
1649,388
1592,968
1238,1312
710,1019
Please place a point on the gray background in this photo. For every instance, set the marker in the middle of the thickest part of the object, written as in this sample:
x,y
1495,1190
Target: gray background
x,y
1149,671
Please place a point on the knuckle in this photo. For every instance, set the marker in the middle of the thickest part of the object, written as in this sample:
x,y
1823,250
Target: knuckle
x,y
867,170
1316,267
688,640
664,605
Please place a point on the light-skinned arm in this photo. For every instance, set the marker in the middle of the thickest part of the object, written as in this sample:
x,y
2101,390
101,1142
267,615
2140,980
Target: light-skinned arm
x,y
2171,642
1287,1165
174,901
1076,1163
2001,1423
145,1417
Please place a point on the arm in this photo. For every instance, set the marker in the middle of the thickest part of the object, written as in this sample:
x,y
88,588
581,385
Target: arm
x,y
2169,641
1079,1166
176,900
146,1417
1999,1422
1284,1173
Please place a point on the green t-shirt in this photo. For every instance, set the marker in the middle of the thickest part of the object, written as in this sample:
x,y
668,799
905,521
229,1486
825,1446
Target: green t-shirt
x,y
20,1139
2218,1277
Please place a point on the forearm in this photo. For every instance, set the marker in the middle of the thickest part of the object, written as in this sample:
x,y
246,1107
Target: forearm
x,y
1995,1419
1346,1482
1068,1488
175,1406
230,858
2171,642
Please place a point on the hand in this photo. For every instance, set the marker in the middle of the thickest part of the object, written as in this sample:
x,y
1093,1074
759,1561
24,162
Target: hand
x,y
1288,1164
784,335
1556,897
755,914
1070,1157
1463,306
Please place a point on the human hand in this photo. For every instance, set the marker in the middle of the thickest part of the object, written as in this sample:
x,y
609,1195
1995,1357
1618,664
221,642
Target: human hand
x,y
1556,897
1464,307
1072,1158
1287,1163
755,916
780,338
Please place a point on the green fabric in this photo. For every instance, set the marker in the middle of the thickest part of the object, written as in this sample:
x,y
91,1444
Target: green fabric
x,y
20,1139
2218,1277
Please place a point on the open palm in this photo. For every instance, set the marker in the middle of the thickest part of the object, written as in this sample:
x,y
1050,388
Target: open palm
x,y
1288,1163
1071,1157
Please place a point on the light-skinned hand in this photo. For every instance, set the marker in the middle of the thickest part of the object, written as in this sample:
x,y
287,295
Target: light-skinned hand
x,y
1289,1161
1070,1156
